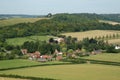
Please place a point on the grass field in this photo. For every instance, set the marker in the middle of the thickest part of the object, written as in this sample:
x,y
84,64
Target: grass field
x,y
105,57
93,34
20,41
16,63
66,71
13,21
71,72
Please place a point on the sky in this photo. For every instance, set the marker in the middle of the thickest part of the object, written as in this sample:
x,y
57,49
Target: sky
x,y
43,7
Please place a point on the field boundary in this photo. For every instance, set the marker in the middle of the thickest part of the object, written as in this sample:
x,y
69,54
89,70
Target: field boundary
x,y
23,77
102,62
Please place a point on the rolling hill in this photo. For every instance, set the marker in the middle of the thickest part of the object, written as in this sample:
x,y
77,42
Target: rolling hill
x,y
13,21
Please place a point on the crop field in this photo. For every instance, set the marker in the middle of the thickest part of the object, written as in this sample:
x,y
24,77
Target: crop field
x,y
20,41
13,21
114,41
92,34
109,22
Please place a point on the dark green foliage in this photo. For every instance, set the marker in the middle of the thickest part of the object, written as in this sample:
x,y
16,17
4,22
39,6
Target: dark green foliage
x,y
42,46
111,49
93,44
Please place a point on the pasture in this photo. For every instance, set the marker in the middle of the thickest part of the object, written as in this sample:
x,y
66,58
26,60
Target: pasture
x,y
70,72
16,63
63,70
112,57
21,40
13,21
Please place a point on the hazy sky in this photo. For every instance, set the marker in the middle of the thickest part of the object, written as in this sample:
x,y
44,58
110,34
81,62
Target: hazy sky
x,y
58,6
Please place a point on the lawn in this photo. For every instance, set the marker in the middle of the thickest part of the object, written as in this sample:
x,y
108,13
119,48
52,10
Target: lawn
x,y
70,72
13,21
63,71
91,34
16,63
20,41
105,57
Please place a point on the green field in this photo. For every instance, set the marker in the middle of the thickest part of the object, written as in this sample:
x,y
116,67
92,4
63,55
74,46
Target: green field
x,y
105,57
71,72
16,63
20,41
13,21
66,71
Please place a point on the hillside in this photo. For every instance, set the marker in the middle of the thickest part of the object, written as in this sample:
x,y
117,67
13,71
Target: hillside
x,y
58,23
13,21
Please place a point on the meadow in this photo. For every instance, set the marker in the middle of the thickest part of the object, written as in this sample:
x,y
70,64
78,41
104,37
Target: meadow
x,y
63,71
112,57
70,72
21,40
13,21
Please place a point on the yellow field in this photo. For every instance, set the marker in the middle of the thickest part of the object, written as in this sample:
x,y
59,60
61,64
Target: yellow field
x,y
3,78
109,22
91,34
115,41
13,21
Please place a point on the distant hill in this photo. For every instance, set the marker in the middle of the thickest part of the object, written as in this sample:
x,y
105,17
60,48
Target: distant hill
x,y
7,16
13,21
59,23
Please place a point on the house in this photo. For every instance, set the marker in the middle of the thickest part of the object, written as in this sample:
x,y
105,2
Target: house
x,y
24,51
59,40
58,55
44,58
34,55
117,47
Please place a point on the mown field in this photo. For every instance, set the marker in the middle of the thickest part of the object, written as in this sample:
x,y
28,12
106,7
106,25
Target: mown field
x,y
20,41
66,71
105,57
70,72
13,21
93,34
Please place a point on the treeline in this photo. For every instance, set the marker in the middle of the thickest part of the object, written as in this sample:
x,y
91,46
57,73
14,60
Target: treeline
x,y
58,23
